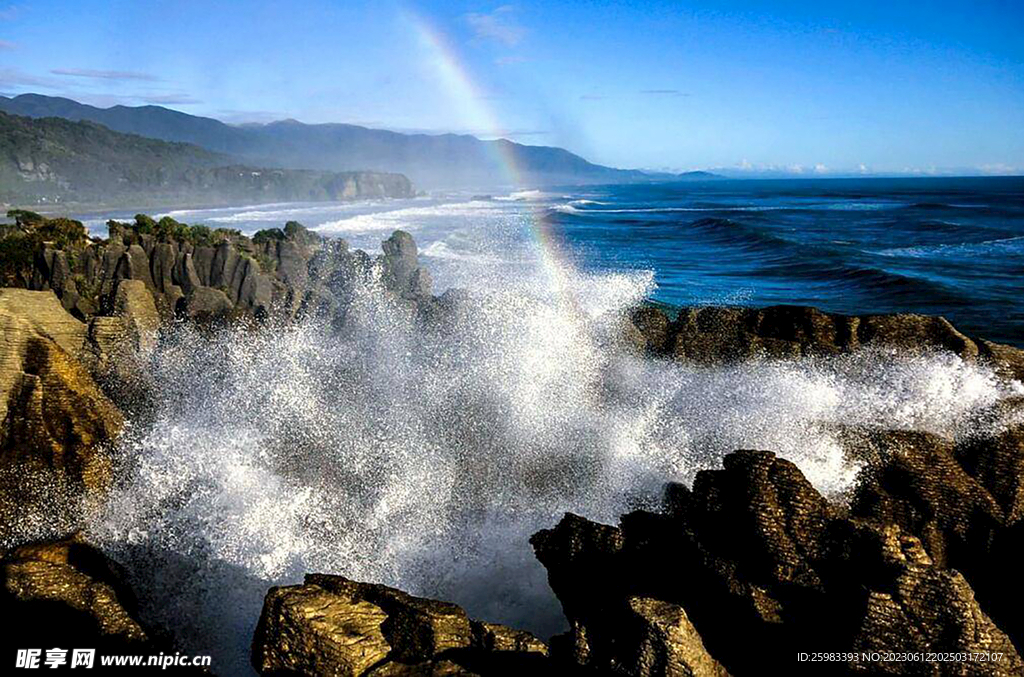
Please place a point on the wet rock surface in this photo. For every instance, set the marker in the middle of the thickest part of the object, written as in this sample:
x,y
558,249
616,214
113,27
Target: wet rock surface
x,y
55,421
722,334
67,594
753,551
332,625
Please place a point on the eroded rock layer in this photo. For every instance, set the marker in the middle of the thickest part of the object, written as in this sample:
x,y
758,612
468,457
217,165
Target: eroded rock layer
x,y
331,625
765,568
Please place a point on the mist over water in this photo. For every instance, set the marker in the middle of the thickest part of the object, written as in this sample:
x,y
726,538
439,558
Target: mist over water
x,y
425,459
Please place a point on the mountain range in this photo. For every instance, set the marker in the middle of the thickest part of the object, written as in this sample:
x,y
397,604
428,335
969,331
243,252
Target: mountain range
x,y
52,160
430,161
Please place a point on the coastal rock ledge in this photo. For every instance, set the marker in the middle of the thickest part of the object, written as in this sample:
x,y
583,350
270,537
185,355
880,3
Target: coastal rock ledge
x,y
766,568
333,626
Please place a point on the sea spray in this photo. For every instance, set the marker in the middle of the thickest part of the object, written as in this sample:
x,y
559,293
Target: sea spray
x,y
424,456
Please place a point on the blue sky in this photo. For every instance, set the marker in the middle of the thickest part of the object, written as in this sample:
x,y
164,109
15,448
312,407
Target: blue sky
x,y
790,86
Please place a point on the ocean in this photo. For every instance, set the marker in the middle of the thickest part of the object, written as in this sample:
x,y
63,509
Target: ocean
x,y
952,247
389,454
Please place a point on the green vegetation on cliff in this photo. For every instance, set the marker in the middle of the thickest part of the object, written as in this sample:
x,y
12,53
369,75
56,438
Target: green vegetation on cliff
x,y
52,161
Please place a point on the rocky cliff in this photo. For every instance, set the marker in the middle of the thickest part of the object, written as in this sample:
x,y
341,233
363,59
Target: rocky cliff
x,y
714,334
198,273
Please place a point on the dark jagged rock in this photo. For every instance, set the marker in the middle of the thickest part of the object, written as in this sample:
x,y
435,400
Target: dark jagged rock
x,y
998,465
661,640
67,594
720,334
921,487
331,625
964,503
764,567
401,269
206,305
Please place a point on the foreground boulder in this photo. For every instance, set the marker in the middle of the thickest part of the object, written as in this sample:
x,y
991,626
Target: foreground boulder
x,y
330,625
764,568
963,501
66,594
723,334
55,422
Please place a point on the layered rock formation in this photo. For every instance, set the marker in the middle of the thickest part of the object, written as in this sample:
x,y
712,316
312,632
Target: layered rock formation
x,y
333,626
55,421
766,568
67,594
738,574
73,341
206,275
719,334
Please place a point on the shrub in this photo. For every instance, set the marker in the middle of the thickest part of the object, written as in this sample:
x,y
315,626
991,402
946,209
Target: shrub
x,y
144,224
200,235
16,257
25,218
62,232
168,229
269,234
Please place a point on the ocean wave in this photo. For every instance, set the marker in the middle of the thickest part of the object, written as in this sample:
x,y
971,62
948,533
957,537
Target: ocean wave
x,y
442,250
1009,245
292,213
729,232
405,218
574,208
525,196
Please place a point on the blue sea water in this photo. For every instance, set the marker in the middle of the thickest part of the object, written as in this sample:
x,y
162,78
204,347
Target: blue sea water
x,y
952,247
946,246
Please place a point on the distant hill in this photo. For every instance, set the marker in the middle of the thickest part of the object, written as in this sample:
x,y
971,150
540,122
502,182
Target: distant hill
x,y
48,160
431,161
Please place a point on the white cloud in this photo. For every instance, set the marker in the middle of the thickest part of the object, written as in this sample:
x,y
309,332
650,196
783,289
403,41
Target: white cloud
x,y
104,75
180,99
499,26
1000,169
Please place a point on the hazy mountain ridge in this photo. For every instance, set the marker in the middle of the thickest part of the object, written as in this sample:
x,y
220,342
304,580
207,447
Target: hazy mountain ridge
x,y
54,160
431,161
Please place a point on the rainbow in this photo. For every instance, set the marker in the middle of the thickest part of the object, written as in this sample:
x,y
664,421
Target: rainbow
x,y
471,102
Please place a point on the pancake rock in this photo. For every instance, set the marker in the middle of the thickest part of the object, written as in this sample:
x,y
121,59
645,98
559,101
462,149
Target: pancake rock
x,y
202,274
722,334
764,568
331,625
55,421
67,594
